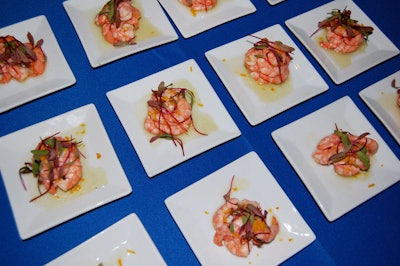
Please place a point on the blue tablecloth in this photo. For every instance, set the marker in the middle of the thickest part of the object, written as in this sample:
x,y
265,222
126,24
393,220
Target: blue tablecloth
x,y
367,235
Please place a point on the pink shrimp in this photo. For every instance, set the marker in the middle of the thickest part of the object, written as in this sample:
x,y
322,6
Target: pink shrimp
x,y
343,34
56,163
169,113
174,118
4,74
349,154
326,147
20,60
65,175
268,62
199,5
38,66
241,224
339,40
119,22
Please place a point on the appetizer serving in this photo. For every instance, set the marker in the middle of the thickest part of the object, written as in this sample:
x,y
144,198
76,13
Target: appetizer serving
x,y
169,113
119,21
343,34
240,224
199,5
398,91
349,154
20,60
268,62
55,163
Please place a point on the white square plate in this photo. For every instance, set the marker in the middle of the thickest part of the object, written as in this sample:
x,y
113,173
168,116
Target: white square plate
x,y
154,29
103,177
345,66
56,76
381,98
126,241
190,24
274,2
336,195
261,102
193,208
130,104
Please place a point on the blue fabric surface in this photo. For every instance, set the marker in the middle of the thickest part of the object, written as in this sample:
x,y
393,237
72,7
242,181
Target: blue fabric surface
x,y
367,235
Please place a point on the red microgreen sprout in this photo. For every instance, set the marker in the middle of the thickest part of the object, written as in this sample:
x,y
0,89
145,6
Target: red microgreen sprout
x,y
275,47
351,148
51,148
159,104
342,18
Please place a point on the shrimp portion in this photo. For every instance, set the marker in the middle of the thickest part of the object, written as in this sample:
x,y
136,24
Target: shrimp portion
x,y
119,21
240,225
349,154
19,60
339,40
199,5
56,163
169,113
343,34
268,62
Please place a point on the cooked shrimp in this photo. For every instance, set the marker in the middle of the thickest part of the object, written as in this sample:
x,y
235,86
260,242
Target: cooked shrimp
x,y
343,34
119,22
174,117
169,113
199,5
20,60
349,154
339,40
38,66
326,147
65,175
56,162
18,72
264,233
268,62
241,224
4,74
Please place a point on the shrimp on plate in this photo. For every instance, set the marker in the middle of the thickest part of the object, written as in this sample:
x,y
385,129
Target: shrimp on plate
x,y
349,154
119,21
56,163
398,91
199,5
20,60
343,34
241,224
169,113
268,62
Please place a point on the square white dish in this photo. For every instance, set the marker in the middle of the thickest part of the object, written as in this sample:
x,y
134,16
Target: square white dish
x,y
304,81
381,98
124,243
103,181
130,105
274,2
154,29
57,74
336,195
193,208
342,67
190,23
